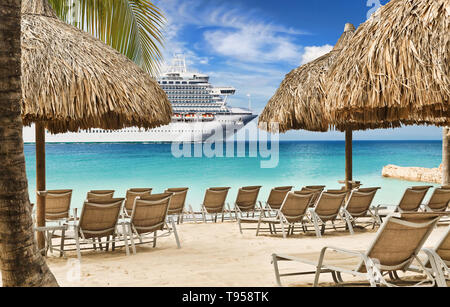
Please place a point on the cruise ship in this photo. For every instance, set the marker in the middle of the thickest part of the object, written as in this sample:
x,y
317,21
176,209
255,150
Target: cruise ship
x,y
201,113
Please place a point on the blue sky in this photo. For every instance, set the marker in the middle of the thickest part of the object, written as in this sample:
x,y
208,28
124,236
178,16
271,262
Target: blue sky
x,y
253,44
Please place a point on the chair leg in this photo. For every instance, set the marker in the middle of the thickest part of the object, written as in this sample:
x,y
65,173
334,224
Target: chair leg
x,y
277,271
349,224
77,242
257,228
154,238
63,237
316,226
177,239
125,239
130,233
240,226
282,229
113,245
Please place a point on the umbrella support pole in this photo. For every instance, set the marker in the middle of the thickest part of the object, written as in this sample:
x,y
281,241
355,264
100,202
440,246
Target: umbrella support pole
x,y
445,156
40,182
348,159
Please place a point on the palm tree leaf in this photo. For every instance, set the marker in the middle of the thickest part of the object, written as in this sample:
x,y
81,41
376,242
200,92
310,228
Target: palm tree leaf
x,y
133,27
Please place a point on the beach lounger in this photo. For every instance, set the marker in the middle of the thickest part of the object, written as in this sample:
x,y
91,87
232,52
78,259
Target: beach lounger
x,y
396,245
439,260
177,202
132,194
439,201
100,194
359,206
327,209
412,199
245,203
57,214
214,203
276,198
291,212
98,219
316,189
150,215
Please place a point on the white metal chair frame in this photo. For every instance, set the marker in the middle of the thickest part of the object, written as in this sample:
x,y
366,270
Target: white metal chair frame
x,y
439,267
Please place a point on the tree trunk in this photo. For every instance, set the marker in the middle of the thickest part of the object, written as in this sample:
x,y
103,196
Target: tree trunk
x,y
20,261
445,157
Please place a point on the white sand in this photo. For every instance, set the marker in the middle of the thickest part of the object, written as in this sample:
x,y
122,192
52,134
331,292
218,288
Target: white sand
x,y
211,255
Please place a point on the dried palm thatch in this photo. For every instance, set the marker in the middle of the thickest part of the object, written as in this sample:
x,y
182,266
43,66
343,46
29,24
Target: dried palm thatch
x,y
298,102
73,81
395,68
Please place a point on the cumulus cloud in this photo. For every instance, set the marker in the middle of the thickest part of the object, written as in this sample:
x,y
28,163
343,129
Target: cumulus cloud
x,y
313,52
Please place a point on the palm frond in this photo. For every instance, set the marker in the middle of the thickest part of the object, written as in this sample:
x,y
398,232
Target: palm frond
x,y
133,27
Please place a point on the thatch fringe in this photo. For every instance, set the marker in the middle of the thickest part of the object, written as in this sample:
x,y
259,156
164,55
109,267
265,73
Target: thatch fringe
x,y
395,68
73,81
298,102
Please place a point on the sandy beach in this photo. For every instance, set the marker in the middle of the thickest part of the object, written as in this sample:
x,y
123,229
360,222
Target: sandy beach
x,y
214,255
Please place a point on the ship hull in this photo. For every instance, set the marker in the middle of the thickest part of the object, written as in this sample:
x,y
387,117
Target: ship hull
x,y
221,127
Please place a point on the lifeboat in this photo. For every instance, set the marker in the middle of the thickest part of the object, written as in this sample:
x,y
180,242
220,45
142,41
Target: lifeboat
x,y
207,117
190,116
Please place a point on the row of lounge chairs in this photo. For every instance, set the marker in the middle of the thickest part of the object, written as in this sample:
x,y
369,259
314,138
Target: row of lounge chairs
x,y
108,220
395,248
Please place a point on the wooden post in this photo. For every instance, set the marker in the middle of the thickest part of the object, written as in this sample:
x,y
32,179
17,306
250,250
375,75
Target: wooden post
x,y
445,156
348,159
40,181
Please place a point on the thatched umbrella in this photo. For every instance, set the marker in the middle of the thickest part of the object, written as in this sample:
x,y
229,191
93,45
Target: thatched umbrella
x,y
73,81
298,102
395,68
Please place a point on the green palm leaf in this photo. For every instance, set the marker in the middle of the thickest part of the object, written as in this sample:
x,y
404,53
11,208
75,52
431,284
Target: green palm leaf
x,y
133,27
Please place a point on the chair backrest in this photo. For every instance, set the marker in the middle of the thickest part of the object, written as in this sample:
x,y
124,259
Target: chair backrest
x,y
214,200
150,212
399,239
57,204
360,200
99,217
412,199
443,248
100,194
178,200
247,198
439,200
277,196
317,190
329,204
131,196
295,206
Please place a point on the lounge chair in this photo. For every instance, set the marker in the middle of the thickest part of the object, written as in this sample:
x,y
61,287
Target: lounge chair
x,y
439,260
396,245
359,206
100,194
276,197
412,199
57,214
291,212
132,194
246,201
316,189
327,209
99,218
214,203
439,200
177,202
150,215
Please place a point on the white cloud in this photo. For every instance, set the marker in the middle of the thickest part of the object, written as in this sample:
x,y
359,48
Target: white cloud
x,y
313,52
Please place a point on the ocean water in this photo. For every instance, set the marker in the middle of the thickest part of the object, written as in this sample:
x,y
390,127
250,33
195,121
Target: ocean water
x,y
84,167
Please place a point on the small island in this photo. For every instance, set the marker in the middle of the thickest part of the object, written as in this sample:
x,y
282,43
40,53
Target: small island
x,y
419,174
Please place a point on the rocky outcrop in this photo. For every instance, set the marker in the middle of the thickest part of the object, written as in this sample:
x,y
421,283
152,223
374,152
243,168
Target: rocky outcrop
x,y
420,174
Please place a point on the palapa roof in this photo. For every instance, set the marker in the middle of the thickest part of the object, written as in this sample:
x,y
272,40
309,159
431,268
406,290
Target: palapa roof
x,y
298,102
73,81
396,68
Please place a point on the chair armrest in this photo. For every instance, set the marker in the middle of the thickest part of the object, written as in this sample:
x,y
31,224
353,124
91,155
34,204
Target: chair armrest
x,y
42,193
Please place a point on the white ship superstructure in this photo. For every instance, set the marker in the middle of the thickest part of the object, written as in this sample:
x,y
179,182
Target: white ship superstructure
x,y
200,113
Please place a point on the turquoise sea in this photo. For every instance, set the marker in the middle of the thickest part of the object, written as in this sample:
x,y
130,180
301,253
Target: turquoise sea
x,y
83,167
